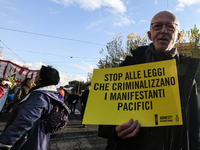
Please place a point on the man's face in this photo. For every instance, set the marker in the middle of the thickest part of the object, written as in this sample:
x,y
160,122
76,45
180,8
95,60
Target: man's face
x,y
164,39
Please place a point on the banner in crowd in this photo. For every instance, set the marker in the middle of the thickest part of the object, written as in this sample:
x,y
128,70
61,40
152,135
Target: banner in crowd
x,y
12,79
8,68
146,92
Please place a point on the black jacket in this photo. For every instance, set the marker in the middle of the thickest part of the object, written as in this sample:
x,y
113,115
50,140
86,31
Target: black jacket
x,y
185,137
84,97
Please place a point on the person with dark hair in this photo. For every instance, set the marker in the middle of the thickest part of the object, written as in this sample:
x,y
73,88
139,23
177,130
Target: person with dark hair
x,y
27,131
18,96
164,33
21,92
17,87
84,98
62,92
73,101
49,76
66,94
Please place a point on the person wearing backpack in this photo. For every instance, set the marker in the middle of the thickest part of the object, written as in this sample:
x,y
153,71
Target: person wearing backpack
x,y
27,131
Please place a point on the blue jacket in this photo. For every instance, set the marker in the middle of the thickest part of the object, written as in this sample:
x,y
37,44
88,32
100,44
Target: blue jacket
x,y
27,130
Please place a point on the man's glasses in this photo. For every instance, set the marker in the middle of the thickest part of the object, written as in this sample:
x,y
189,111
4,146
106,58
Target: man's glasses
x,y
169,26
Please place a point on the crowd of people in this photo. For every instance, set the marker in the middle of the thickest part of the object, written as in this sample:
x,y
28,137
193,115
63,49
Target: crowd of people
x,y
25,126
28,105
25,129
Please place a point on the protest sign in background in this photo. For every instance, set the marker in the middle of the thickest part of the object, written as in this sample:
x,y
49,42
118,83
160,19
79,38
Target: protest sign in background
x,y
12,79
8,68
147,92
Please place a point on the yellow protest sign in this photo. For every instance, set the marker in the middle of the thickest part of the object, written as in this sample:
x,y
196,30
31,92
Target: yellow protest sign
x,y
146,92
12,79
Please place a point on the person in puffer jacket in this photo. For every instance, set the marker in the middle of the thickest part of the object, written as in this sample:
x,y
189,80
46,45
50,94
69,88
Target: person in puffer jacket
x,y
27,130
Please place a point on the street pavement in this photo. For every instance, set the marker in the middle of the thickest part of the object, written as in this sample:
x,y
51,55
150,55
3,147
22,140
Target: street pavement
x,y
73,136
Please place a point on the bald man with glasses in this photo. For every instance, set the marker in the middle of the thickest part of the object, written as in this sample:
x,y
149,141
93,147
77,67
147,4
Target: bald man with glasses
x,y
164,33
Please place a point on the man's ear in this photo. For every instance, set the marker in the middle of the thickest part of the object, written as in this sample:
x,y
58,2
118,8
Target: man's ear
x,y
149,35
178,37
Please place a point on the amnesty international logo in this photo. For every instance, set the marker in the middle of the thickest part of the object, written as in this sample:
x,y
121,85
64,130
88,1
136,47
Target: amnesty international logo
x,y
146,92
166,118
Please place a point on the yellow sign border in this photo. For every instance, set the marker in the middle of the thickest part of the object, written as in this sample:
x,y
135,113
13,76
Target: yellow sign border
x,y
149,108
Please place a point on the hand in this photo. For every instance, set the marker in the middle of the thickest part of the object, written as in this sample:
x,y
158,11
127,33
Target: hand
x,y
127,130
82,104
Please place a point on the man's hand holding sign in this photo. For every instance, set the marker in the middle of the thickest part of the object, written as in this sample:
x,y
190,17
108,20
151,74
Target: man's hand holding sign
x,y
127,130
138,107
142,92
